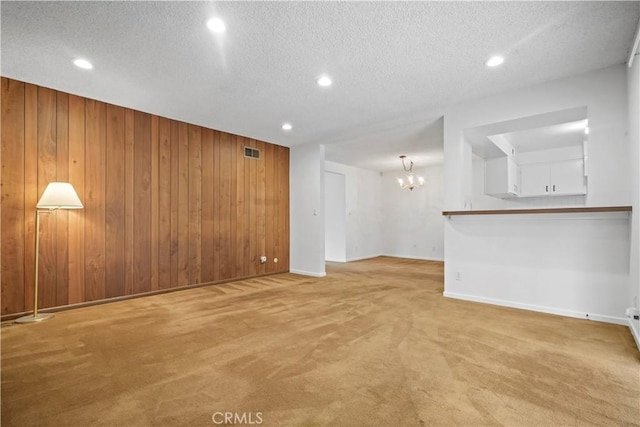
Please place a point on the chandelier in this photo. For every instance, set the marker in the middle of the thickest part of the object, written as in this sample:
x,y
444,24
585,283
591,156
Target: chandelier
x,y
410,181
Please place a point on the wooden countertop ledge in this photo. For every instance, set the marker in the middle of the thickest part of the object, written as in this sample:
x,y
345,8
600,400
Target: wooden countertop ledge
x,y
541,211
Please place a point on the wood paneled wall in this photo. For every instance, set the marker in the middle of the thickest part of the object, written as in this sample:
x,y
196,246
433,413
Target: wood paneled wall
x,y
167,204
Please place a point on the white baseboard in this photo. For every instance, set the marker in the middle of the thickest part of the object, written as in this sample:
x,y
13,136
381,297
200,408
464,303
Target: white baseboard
x,y
422,258
634,332
308,273
541,309
394,256
360,258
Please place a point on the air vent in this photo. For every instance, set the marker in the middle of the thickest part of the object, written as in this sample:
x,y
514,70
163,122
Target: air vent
x,y
251,153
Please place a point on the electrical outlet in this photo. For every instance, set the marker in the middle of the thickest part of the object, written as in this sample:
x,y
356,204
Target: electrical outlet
x,y
458,276
633,312
263,259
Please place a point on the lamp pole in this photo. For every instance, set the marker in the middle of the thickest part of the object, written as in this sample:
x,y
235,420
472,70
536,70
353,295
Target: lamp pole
x,y
43,316
35,267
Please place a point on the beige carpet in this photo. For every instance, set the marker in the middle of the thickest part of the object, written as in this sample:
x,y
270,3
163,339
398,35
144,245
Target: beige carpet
x,y
372,344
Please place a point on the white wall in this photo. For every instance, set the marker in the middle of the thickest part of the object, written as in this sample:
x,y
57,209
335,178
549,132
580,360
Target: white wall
x,y
335,219
633,79
412,225
571,265
306,212
363,210
544,262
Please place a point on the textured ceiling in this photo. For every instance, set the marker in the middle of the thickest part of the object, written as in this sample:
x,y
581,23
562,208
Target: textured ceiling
x,y
395,65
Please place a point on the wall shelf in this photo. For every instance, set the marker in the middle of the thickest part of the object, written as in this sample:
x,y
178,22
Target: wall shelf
x,y
541,211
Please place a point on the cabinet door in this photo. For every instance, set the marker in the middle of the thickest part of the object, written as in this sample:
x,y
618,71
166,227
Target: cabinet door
x,y
567,177
534,180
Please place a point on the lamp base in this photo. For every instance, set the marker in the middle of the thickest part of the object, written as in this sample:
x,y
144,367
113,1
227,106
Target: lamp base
x,y
31,318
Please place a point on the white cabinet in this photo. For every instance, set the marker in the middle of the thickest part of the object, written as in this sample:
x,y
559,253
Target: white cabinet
x,y
535,179
568,177
501,177
563,178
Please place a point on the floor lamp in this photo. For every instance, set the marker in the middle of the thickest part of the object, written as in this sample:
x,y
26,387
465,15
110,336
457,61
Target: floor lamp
x,y
57,195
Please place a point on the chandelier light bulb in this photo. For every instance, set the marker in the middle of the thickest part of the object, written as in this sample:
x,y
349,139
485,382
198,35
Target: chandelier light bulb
x,y
411,180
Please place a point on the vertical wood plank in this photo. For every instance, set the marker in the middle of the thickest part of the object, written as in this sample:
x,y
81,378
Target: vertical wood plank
x,y
270,205
175,201
164,203
95,146
62,221
195,204
129,201
283,210
47,162
260,181
30,187
224,206
277,222
183,204
233,226
154,203
249,216
217,203
246,163
240,231
115,202
207,251
12,208
227,176
77,179
142,202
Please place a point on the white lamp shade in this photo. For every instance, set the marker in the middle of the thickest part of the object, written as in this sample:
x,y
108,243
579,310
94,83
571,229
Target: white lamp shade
x,y
59,195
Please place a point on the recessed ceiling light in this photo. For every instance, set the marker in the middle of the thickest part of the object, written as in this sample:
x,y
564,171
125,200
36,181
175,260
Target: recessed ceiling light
x,y
287,126
216,25
83,63
494,61
324,81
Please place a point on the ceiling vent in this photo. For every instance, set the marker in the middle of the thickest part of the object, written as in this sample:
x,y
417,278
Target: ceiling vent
x,y
251,153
